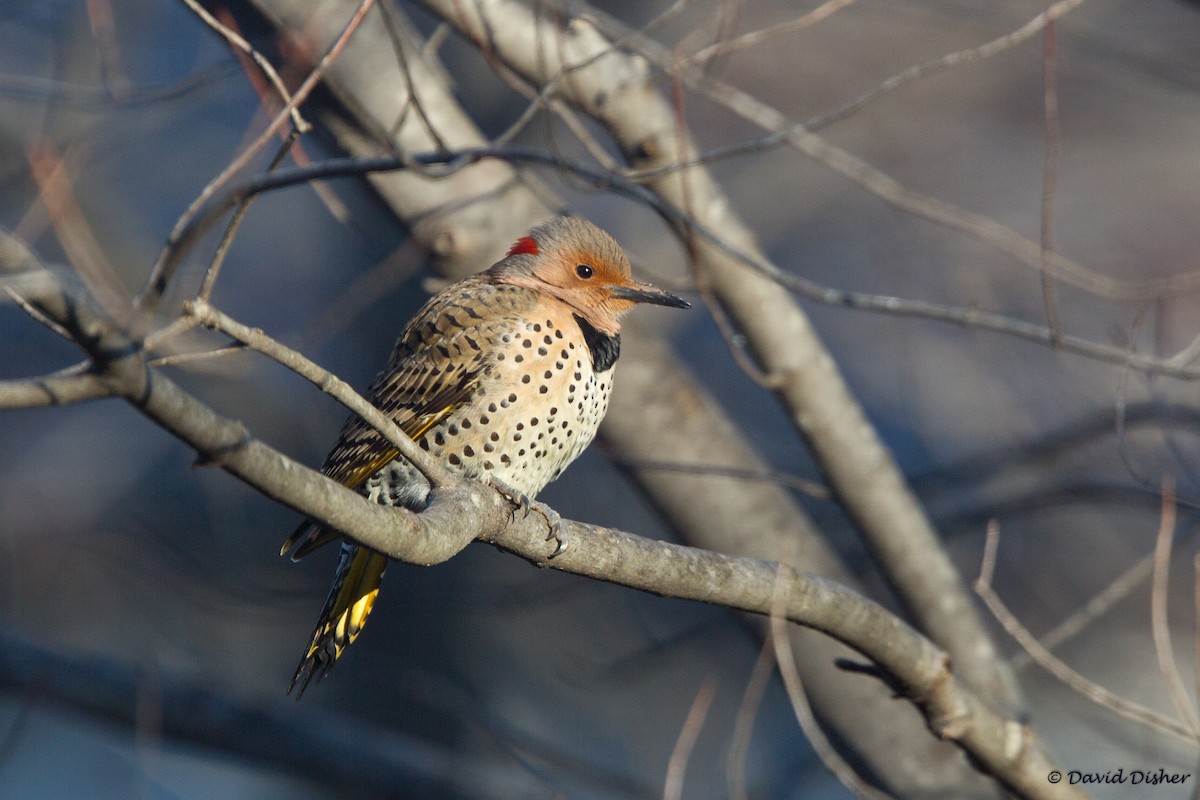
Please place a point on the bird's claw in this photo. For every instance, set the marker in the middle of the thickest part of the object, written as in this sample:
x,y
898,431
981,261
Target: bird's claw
x,y
556,529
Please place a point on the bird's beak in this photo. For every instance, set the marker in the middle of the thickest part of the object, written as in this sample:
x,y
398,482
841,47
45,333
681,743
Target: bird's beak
x,y
645,293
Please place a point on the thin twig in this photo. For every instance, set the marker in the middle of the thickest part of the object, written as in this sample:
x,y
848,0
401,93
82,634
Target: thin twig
x,y
1196,622
159,277
1069,677
176,327
237,42
175,359
255,339
49,171
1092,610
183,239
743,724
686,741
235,223
104,30
398,33
735,341
956,59
37,315
807,20
1050,175
830,757
1158,608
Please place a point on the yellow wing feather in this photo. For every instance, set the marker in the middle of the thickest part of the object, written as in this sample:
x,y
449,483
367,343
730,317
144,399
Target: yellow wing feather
x,y
422,386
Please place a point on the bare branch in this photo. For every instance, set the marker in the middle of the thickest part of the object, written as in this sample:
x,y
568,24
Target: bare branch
x,y
239,44
160,276
1072,679
803,712
463,510
1158,610
435,473
57,389
807,20
735,765
1180,365
1050,173
948,61
689,732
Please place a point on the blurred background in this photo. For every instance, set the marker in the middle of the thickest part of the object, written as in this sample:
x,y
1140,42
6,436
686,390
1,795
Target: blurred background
x,y
160,580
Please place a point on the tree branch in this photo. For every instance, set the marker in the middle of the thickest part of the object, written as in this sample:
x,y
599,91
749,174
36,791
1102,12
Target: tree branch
x,y
463,510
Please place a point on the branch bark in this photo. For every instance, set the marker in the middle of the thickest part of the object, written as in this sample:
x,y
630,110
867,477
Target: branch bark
x,y
465,222
462,510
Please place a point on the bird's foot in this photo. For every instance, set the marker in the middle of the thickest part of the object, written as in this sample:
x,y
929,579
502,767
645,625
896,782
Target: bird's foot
x,y
519,500
522,503
557,533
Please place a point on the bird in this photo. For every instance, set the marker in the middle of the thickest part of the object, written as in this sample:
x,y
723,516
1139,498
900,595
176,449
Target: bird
x,y
502,377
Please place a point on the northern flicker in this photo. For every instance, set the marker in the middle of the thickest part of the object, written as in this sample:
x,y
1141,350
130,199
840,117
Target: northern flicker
x,y
502,377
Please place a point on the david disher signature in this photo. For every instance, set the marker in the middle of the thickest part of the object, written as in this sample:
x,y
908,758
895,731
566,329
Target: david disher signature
x,y
1148,777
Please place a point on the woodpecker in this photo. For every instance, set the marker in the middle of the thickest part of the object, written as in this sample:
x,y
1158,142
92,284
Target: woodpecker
x,y
502,377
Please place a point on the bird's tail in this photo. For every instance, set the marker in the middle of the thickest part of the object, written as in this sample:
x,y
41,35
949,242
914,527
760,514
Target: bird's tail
x,y
346,610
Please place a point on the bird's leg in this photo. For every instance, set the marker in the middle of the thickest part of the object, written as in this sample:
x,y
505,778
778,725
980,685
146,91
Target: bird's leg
x,y
522,503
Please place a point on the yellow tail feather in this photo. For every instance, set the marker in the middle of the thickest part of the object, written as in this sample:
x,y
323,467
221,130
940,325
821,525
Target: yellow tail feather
x,y
346,610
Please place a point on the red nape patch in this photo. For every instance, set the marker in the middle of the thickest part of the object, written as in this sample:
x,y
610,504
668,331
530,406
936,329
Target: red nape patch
x,y
524,246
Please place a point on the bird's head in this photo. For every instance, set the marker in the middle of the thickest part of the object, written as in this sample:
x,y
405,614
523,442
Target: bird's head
x,y
572,260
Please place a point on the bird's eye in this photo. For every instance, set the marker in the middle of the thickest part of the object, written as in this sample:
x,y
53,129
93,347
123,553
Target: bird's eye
x,y
584,271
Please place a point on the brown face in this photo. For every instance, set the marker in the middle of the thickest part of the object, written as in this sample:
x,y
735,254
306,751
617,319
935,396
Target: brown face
x,y
581,278
598,285
575,262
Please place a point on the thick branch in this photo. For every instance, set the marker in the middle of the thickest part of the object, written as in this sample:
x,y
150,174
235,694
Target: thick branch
x,y
464,510
55,389
403,103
